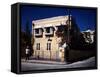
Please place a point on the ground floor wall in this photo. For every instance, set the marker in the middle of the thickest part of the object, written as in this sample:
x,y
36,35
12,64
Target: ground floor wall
x,y
53,54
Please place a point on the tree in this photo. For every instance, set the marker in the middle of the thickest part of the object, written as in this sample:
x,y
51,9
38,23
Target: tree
x,y
26,39
28,34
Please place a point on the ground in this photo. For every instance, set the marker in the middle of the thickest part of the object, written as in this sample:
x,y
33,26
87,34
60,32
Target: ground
x,y
39,65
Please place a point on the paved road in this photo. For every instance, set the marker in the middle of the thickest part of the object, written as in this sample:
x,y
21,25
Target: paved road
x,y
39,66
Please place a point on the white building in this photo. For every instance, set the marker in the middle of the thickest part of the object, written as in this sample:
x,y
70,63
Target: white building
x,y
47,44
88,35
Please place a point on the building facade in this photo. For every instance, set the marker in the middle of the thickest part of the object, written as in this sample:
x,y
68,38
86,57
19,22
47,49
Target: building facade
x,y
50,37
88,36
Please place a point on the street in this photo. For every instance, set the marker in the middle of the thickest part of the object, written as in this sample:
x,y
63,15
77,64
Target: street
x,y
26,66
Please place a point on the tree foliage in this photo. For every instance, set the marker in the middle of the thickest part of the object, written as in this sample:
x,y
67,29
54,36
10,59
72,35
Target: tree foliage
x,y
26,40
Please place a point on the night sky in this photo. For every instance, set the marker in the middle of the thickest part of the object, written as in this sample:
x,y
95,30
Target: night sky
x,y
85,18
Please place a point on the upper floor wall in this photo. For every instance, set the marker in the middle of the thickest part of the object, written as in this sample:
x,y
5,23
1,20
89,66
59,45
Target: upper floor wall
x,y
49,25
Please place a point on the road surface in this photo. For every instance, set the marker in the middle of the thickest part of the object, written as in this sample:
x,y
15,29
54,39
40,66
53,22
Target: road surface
x,y
25,66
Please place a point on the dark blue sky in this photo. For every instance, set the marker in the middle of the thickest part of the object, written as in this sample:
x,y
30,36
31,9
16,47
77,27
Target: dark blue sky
x,y
85,18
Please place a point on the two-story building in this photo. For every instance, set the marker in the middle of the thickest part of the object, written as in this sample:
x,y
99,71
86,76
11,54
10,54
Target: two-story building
x,y
51,36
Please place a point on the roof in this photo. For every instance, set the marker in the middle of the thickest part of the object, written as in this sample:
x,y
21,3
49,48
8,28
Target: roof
x,y
91,31
52,21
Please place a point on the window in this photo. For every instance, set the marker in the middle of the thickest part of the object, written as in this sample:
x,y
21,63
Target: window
x,y
48,30
38,46
48,46
36,31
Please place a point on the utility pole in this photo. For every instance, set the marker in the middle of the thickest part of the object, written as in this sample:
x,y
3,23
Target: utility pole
x,y
68,38
68,32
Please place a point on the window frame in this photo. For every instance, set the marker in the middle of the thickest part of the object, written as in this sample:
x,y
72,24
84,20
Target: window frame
x,y
48,46
37,46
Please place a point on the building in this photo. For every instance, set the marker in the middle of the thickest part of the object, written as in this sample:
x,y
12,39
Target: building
x,y
88,36
51,36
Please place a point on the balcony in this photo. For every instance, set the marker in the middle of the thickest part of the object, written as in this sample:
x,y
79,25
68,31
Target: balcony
x,y
60,30
49,31
38,32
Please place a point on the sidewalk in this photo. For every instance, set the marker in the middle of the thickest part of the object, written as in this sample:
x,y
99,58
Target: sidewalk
x,y
42,61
